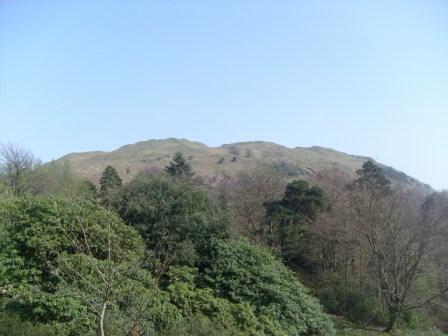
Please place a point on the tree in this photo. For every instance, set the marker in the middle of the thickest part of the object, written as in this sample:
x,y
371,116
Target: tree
x,y
16,164
370,196
179,167
334,246
395,237
246,194
372,178
93,276
110,181
286,218
65,261
88,190
176,219
57,178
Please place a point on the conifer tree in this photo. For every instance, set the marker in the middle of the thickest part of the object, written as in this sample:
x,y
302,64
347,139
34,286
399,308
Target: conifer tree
x,y
372,177
286,218
179,167
110,180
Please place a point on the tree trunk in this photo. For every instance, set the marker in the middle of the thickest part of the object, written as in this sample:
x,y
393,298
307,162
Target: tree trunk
x,y
392,320
378,285
101,321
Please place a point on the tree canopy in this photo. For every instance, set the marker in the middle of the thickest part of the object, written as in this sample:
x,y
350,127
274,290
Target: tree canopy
x,y
286,218
176,219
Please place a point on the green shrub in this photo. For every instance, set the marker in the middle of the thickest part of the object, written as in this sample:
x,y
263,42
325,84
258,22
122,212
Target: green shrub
x,y
195,302
12,325
413,319
201,326
242,272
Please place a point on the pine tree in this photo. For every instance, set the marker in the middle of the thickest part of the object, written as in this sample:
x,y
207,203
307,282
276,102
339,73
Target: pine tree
x,y
286,218
179,167
110,180
372,177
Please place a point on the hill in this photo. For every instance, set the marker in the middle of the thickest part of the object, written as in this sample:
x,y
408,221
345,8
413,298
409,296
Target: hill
x,y
212,163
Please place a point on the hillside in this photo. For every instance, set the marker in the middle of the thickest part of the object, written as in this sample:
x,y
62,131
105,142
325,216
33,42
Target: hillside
x,y
211,163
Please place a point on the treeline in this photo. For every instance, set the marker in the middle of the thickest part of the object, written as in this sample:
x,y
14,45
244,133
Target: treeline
x,y
154,257
161,256
373,250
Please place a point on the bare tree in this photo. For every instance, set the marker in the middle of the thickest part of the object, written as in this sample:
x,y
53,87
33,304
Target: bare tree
x,y
396,237
16,164
246,195
336,246
89,273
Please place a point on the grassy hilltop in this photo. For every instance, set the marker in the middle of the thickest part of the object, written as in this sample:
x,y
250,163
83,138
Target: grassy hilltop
x,y
212,163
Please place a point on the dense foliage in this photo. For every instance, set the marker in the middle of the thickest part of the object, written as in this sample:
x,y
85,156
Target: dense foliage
x,y
243,272
287,218
176,220
72,267
53,251
159,256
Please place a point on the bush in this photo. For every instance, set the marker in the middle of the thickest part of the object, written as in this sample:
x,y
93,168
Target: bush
x,y
242,272
195,302
201,326
12,325
413,319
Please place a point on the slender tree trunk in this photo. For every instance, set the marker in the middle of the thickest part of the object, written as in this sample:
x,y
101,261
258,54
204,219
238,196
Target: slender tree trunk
x,y
101,322
347,265
391,323
360,268
378,285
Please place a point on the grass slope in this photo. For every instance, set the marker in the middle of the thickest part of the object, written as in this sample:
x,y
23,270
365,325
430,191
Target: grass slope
x,y
212,163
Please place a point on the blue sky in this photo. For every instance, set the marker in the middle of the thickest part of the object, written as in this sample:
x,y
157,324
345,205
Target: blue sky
x,y
364,77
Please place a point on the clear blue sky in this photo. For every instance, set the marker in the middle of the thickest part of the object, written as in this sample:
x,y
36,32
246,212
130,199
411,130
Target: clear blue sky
x,y
364,77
